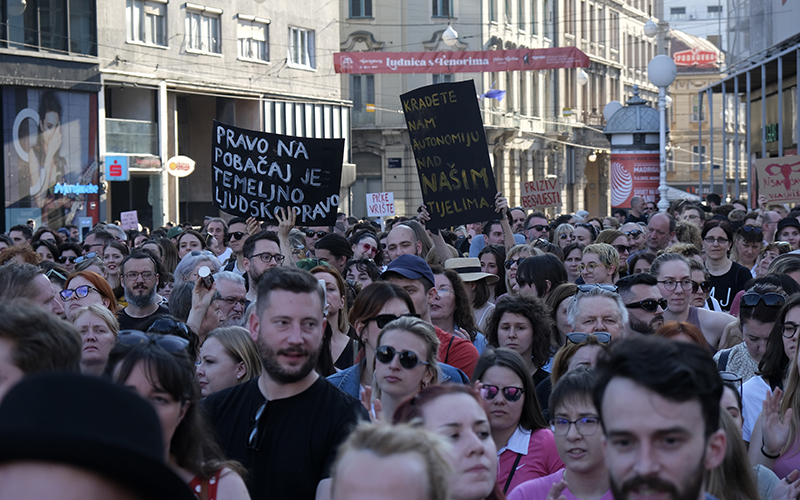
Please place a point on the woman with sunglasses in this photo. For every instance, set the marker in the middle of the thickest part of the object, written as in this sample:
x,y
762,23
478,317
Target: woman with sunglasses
x,y
747,244
515,255
727,277
573,253
98,328
159,369
492,259
675,283
114,253
523,324
69,252
518,426
84,288
701,287
365,245
455,412
91,262
564,235
405,363
619,241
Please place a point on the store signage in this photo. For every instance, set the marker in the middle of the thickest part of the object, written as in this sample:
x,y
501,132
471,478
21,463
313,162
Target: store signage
x,y
696,58
117,168
180,166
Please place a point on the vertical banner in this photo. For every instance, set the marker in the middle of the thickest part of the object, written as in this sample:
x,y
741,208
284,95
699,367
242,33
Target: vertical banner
x,y
634,173
50,149
449,144
253,174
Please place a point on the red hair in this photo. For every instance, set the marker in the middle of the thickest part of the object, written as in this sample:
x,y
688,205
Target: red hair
x,y
674,328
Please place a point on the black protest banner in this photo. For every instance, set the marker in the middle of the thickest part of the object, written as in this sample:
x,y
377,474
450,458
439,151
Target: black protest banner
x,y
254,173
446,131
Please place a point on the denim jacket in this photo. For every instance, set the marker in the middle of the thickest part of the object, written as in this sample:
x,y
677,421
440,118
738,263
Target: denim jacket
x,y
349,380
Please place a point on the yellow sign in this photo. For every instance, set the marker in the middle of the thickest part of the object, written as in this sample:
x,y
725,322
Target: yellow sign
x,y
370,108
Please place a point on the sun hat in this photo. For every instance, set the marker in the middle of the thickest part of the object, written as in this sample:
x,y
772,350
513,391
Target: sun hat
x,y
469,269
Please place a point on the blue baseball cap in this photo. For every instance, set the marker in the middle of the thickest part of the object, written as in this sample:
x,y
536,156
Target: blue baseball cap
x,y
410,267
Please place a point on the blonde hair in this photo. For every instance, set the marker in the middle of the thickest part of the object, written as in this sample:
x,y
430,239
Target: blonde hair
x,y
240,347
423,330
608,254
101,312
387,440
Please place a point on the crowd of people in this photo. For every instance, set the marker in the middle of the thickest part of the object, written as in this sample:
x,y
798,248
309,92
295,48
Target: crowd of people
x,y
647,354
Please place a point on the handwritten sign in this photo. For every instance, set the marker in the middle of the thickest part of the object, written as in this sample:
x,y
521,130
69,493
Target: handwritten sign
x,y
380,204
254,174
544,193
779,179
449,145
129,220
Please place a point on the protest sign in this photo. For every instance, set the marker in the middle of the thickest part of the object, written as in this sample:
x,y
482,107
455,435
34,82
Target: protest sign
x,y
543,193
255,173
779,179
449,144
129,220
380,204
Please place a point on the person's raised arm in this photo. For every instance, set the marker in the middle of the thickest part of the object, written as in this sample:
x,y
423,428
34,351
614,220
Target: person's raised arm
x,y
501,207
201,301
436,235
771,432
285,224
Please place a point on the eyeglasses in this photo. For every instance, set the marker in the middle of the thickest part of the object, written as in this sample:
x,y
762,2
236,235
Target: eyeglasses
x,y
538,227
748,229
266,257
237,235
718,241
514,262
63,259
784,245
79,292
789,329
166,326
649,305
589,268
634,234
170,343
603,286
408,359
146,275
670,285
57,274
90,255
703,285
565,236
511,394
384,319
770,299
578,337
586,426
232,301
443,291
311,233
622,249
253,441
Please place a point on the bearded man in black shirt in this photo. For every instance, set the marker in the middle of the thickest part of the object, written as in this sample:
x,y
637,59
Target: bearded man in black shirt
x,y
286,425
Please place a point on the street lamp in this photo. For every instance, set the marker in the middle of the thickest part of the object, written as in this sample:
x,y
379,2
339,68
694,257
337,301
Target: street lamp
x,y
662,72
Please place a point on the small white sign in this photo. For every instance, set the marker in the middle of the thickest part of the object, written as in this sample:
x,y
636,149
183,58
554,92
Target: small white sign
x,y
380,204
129,220
180,166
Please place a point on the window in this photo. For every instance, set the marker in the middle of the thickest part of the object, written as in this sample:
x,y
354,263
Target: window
x,y
697,112
507,11
146,22
445,78
202,30
301,48
583,20
443,8
714,11
362,92
492,10
601,25
614,41
360,8
570,26
677,13
698,156
520,15
534,29
253,38
591,24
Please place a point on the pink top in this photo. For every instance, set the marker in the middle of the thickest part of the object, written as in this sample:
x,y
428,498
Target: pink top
x,y
538,489
787,462
539,457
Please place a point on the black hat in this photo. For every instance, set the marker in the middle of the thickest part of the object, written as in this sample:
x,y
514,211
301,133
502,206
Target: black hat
x,y
786,222
91,424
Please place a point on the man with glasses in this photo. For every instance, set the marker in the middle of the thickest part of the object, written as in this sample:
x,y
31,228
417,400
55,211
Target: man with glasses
x,y
597,308
139,272
644,302
231,297
262,252
692,214
285,426
637,237
314,234
537,227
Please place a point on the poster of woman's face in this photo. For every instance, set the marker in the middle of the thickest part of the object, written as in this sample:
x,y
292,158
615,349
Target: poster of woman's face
x,y
50,147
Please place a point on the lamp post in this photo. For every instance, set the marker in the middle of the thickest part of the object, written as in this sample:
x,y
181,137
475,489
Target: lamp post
x,y
661,71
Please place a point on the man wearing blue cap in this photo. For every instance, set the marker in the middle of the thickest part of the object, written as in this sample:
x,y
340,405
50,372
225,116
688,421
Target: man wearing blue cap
x,y
414,275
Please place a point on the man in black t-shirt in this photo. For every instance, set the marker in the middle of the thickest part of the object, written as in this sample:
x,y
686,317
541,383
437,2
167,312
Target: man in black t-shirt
x,y
637,211
139,275
286,425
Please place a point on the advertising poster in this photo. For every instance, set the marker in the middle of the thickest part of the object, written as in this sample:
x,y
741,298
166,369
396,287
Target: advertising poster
x,y
634,173
50,149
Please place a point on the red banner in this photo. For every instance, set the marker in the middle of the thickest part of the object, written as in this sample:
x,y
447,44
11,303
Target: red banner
x,y
634,173
480,61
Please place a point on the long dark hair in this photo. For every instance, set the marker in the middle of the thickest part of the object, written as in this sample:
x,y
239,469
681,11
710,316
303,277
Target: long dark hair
x,y
775,362
499,252
532,417
462,316
193,444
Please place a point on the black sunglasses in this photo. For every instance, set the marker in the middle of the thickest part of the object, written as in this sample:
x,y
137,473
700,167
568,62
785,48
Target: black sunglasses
x,y
603,286
408,359
649,305
170,343
703,285
622,248
236,235
310,233
63,259
384,319
167,326
538,227
633,234
577,337
511,394
748,229
770,299
512,262
253,441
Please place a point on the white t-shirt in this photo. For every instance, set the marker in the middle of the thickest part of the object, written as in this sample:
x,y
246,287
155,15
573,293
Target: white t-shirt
x,y
754,392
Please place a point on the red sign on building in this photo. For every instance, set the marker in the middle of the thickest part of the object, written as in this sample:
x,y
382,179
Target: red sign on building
x,y
634,173
696,58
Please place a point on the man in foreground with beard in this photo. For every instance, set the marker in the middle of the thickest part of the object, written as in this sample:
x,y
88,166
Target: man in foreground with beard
x,y
659,404
286,425
139,272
